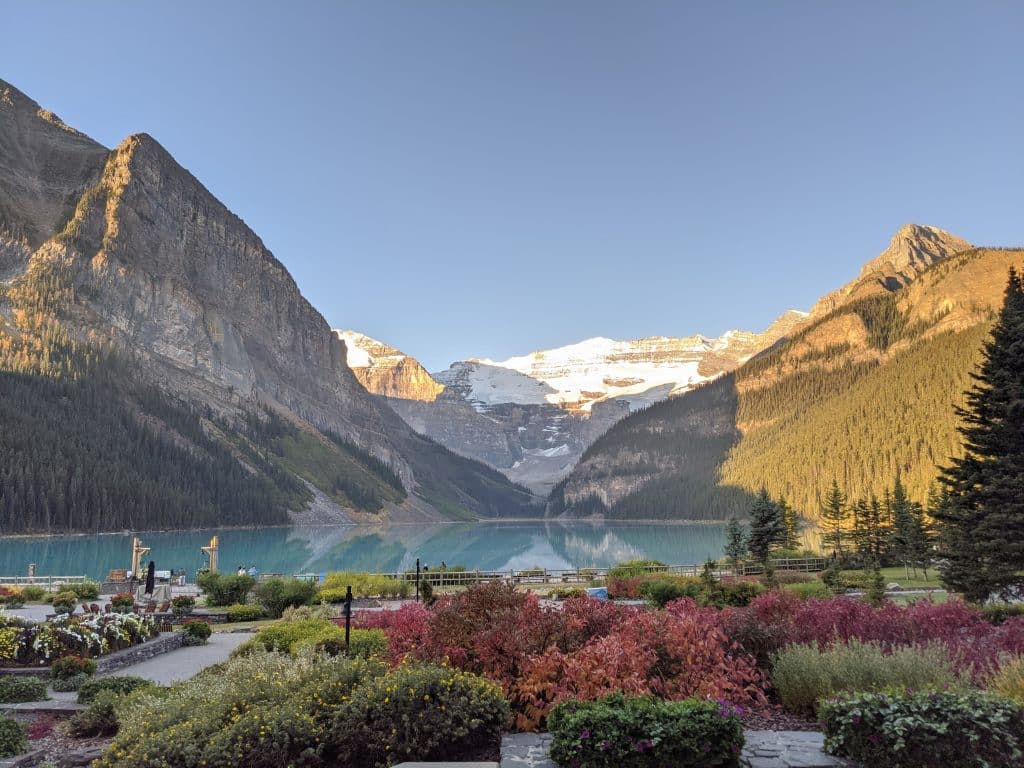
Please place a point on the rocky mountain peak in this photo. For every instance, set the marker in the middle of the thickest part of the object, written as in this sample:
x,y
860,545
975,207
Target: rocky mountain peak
x,y
912,250
384,370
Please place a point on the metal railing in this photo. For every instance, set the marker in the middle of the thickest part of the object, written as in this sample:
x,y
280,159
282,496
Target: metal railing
x,y
49,583
450,578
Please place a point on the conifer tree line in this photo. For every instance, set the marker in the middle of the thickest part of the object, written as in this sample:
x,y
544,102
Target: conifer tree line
x,y
871,531
774,524
980,515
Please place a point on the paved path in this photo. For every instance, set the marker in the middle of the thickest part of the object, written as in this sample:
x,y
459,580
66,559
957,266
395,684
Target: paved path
x,y
183,663
764,749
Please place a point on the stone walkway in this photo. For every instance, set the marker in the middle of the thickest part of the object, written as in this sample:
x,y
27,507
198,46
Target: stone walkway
x,y
183,663
764,749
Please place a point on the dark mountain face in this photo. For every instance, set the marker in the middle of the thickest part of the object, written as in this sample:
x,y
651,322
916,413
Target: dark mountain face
x,y
123,255
863,391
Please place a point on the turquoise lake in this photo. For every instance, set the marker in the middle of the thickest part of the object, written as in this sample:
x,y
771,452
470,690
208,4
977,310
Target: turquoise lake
x,y
484,546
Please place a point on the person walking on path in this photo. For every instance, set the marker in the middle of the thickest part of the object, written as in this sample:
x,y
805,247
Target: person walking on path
x,y
252,571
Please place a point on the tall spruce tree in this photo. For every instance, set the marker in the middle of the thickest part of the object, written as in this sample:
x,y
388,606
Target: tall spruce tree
x,y
834,515
901,542
790,524
735,542
766,528
981,525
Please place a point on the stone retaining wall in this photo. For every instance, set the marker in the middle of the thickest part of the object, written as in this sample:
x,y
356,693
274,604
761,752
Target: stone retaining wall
x,y
167,641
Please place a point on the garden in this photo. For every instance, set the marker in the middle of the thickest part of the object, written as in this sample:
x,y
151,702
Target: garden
x,y
674,681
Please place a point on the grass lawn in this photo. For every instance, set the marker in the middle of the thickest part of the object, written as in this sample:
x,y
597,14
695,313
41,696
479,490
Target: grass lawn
x,y
898,574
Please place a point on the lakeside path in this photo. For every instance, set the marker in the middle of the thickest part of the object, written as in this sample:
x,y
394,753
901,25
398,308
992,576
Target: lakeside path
x,y
183,663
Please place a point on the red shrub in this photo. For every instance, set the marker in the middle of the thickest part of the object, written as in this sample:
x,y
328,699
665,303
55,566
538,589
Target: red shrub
x,y
406,628
490,630
675,654
584,619
625,588
41,727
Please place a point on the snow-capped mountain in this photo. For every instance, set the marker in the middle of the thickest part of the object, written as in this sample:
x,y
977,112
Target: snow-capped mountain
x,y
639,372
532,416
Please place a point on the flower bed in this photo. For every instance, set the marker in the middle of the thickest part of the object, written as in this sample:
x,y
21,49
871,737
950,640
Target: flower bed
x,y
25,644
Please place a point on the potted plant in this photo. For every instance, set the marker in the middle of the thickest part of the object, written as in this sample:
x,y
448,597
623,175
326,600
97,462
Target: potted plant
x,y
182,605
123,602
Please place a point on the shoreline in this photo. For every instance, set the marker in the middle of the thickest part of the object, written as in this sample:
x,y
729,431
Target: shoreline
x,y
590,521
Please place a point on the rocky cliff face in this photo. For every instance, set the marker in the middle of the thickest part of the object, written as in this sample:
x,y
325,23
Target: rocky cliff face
x,y
145,258
531,417
387,371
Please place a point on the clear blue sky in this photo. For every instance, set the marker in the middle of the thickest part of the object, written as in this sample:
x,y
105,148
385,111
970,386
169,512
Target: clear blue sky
x,y
481,179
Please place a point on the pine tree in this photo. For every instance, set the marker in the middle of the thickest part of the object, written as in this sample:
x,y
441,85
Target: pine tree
x,y
981,527
735,543
902,539
766,529
860,532
834,515
790,524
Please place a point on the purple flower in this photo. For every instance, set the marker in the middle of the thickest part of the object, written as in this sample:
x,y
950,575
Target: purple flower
x,y
605,744
585,734
856,719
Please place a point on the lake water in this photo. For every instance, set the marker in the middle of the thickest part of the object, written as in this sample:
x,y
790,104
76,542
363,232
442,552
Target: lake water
x,y
484,546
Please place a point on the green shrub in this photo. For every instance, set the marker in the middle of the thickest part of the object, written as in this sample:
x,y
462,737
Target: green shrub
x,y
925,729
633,568
563,593
282,635
363,643
308,612
224,590
241,612
85,590
15,689
13,740
262,710
99,719
645,733
660,592
803,675
64,602
363,585
182,605
809,590
997,613
119,684
196,632
1008,681
68,684
419,713
33,592
69,666
277,594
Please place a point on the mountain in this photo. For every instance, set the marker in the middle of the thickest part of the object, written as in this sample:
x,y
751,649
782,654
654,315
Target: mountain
x,y
863,391
531,417
148,335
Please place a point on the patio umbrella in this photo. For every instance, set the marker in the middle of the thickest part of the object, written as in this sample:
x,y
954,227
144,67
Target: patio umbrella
x,y
151,578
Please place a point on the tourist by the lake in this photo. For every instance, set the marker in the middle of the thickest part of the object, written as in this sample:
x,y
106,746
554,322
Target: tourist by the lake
x,y
252,571
241,571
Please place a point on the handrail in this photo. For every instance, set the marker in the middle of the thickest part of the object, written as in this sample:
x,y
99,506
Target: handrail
x,y
49,583
584,575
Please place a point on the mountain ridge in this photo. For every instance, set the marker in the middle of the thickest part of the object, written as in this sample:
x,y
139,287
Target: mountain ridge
x,y
860,393
124,250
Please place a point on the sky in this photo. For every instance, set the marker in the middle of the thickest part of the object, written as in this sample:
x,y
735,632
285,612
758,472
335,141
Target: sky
x,y
483,179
